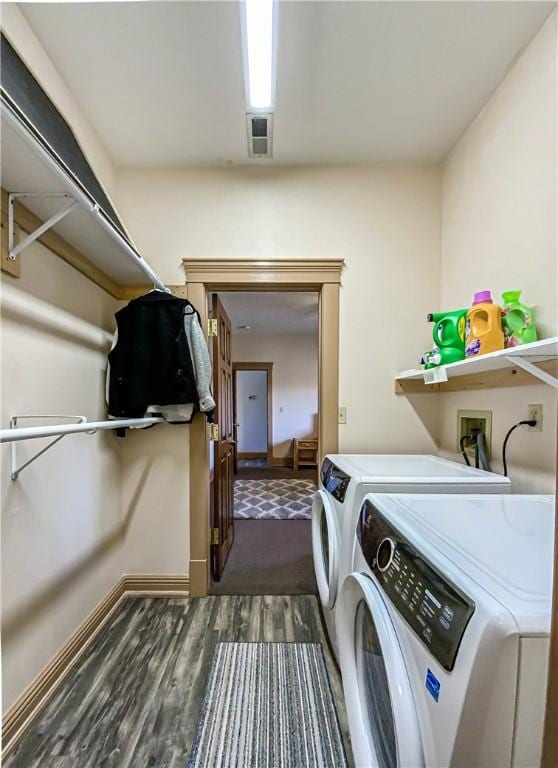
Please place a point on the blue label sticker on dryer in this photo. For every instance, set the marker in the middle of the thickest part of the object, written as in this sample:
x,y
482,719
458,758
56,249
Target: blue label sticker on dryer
x,y
432,684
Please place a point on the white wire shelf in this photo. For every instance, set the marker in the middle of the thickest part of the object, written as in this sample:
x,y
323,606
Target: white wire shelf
x,y
524,357
29,171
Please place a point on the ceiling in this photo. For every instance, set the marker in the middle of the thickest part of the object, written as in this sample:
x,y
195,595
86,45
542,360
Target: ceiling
x,y
357,82
272,312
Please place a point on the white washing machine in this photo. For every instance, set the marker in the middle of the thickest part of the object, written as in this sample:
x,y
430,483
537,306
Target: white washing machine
x,y
444,630
346,479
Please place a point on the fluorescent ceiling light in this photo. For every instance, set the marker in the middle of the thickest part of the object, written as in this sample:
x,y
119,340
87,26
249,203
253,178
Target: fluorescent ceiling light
x,y
259,52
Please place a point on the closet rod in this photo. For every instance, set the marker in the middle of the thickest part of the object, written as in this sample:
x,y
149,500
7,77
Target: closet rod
x,y
86,200
30,433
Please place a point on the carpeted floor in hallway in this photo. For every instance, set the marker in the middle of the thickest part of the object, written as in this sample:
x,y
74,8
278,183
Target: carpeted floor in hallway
x,y
269,557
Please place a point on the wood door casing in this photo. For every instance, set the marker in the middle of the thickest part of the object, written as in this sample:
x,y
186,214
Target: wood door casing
x,y
206,276
224,446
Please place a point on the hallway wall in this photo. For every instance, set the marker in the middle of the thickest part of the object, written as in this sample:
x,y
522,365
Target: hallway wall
x,y
295,382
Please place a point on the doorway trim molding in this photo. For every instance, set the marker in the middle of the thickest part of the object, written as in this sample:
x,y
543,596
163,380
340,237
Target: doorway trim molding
x,y
206,275
268,368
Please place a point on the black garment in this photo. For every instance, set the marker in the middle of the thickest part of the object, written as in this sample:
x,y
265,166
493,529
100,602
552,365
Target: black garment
x,y
151,362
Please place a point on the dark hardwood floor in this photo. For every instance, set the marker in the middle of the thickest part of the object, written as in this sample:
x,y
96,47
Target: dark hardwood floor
x,y
134,699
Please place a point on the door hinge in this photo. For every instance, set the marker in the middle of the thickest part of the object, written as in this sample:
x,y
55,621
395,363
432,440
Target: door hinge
x,y
213,432
214,536
212,326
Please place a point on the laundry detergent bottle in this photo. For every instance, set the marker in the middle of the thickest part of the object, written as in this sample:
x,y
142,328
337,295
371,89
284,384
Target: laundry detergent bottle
x,y
518,320
449,338
483,329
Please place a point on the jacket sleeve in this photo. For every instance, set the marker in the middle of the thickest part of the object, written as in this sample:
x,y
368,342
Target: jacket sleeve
x,y
202,365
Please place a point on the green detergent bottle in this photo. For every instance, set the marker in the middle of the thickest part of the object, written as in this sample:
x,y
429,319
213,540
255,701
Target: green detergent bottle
x,y
518,320
449,338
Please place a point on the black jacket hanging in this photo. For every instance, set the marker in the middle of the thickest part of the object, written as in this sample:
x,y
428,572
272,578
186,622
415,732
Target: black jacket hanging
x,y
151,362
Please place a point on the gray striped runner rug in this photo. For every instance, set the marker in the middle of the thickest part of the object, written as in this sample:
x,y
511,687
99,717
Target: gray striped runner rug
x,y
268,705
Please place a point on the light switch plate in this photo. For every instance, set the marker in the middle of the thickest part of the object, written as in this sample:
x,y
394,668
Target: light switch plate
x,y
342,414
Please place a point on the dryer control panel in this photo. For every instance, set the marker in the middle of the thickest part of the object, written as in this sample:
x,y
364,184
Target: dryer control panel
x,y
334,480
434,608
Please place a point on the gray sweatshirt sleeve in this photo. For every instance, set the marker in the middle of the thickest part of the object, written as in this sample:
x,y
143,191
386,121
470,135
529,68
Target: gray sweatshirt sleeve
x,y
201,361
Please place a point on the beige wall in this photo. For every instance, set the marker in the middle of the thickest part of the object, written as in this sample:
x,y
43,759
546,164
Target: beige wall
x,y
384,222
499,232
295,382
61,521
155,505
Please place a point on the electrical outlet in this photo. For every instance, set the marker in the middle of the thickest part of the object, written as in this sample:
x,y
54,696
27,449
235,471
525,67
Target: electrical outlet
x,y
471,423
535,413
342,417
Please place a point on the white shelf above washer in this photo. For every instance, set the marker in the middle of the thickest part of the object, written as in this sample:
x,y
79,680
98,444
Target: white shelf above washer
x,y
27,167
525,364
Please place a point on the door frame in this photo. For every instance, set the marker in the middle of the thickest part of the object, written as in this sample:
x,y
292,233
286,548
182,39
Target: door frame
x,y
268,367
207,275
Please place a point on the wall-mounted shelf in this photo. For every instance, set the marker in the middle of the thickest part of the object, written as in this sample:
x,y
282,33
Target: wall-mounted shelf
x,y
28,167
526,364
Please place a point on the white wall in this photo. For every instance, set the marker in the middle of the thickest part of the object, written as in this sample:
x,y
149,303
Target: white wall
x,y
295,382
251,411
499,232
61,524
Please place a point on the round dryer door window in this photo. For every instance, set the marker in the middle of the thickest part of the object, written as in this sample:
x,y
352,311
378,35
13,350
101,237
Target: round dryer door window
x,y
380,707
325,547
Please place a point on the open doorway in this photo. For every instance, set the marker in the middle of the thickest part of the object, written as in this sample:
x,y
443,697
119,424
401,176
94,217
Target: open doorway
x,y
274,360
253,414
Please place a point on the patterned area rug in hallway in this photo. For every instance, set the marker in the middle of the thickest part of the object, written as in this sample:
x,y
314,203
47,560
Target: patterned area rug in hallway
x,y
282,499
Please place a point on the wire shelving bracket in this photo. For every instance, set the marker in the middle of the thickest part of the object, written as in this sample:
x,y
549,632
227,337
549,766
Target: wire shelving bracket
x,y
13,249
15,434
13,425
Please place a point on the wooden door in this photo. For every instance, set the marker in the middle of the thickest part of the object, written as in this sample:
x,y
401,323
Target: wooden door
x,y
223,517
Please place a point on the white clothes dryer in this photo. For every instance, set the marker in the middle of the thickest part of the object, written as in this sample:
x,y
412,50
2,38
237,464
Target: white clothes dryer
x,y
346,479
444,630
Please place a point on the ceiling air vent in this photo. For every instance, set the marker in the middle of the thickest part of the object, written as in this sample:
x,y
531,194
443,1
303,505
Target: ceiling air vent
x,y
260,135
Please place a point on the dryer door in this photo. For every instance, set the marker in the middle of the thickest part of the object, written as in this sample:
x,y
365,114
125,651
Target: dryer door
x,y
325,546
380,708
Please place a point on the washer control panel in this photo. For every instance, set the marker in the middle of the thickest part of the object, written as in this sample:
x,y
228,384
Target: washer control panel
x,y
334,480
436,610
